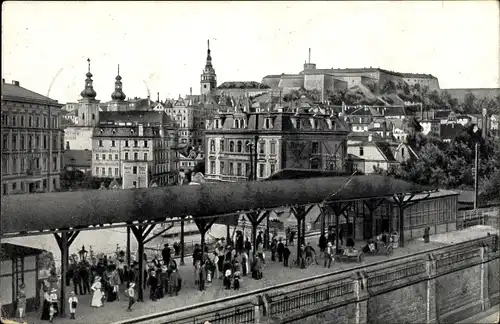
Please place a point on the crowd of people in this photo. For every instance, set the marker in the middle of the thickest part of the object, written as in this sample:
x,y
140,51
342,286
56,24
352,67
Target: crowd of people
x,y
229,262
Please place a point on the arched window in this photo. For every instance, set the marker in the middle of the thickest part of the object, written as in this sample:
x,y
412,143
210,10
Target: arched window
x,y
247,146
221,145
212,145
239,147
231,146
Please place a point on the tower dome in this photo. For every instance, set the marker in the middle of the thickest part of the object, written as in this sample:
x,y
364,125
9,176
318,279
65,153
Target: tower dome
x,y
88,92
118,94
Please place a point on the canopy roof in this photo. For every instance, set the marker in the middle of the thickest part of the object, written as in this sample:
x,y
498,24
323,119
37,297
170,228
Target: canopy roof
x,y
50,211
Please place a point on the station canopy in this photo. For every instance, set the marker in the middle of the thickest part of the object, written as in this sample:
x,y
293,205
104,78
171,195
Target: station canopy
x,y
78,210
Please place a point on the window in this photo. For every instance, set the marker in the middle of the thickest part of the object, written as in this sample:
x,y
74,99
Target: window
x,y
136,143
273,147
23,165
273,168
221,167
134,170
104,157
136,156
247,169
145,143
22,143
110,171
221,145
116,156
30,141
212,145
97,156
116,172
247,147
54,163
262,169
93,116
103,170
110,157
30,122
126,143
231,168
268,123
37,141
403,152
100,143
22,121
238,169
239,145
44,141
361,151
14,164
113,144
14,120
126,156
212,167
14,185
5,143
145,156
262,147
315,148
231,146
97,171
37,122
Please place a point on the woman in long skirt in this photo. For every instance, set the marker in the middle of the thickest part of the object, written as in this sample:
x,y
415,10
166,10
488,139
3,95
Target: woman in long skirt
x,y
96,293
46,305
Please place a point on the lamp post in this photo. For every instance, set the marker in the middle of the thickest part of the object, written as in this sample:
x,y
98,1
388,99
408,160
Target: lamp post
x,y
83,253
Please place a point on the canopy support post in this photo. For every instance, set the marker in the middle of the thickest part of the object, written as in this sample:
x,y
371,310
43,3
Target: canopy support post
x,y
128,247
255,220
338,209
371,205
203,226
228,234
138,233
183,218
300,213
64,241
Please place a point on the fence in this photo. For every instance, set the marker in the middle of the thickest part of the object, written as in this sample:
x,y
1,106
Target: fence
x,y
412,269
481,216
283,304
241,315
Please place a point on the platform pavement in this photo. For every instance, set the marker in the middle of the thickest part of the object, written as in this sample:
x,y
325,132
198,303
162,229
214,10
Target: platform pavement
x,y
274,274
490,316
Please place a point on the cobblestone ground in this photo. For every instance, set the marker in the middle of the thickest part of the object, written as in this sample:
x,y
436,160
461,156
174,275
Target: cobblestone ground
x,y
274,274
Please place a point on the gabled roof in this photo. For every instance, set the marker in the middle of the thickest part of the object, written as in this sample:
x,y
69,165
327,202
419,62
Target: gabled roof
x,y
134,116
35,212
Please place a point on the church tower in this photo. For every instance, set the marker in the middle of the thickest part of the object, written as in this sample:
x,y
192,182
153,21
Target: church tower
x,y
118,102
208,78
88,108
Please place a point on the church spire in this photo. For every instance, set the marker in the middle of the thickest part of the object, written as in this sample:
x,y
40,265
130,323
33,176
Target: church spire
x,y
118,94
88,92
209,58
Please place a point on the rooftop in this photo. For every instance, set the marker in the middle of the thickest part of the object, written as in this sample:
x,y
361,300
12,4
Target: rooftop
x,y
10,251
14,91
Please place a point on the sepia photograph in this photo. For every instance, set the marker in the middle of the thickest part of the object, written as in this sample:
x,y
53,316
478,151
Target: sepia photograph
x,y
245,162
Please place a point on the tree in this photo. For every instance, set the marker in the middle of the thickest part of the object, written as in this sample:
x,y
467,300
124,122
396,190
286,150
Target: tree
x,y
469,103
337,96
388,87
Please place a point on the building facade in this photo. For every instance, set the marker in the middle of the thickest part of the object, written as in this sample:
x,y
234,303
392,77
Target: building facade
x,y
243,143
32,140
126,143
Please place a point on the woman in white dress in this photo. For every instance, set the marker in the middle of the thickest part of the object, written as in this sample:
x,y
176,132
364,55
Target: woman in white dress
x,y
97,293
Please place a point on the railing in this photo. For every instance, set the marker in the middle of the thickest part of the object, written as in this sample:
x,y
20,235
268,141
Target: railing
x,y
188,248
240,315
452,258
285,304
415,268
490,241
481,216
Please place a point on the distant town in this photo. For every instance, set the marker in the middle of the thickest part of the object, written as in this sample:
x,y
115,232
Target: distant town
x,y
365,120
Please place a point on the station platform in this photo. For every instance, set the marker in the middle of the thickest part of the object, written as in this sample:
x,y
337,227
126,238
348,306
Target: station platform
x,y
274,274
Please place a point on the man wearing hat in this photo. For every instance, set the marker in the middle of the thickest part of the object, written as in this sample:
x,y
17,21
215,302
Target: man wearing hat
x,y
329,254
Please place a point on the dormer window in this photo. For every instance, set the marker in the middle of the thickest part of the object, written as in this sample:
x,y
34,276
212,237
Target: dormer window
x,y
101,130
216,123
132,131
268,123
113,131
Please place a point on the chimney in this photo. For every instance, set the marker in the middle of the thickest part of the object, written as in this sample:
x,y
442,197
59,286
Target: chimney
x,y
309,55
158,95
190,91
16,83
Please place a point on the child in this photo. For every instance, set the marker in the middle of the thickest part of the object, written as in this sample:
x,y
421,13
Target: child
x,y
21,301
227,279
73,303
53,304
236,281
130,293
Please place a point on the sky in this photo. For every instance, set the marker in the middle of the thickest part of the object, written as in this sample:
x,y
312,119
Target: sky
x,y
161,46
